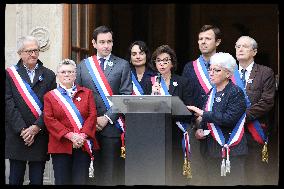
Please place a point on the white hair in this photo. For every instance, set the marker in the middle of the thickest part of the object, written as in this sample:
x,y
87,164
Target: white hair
x,y
252,41
21,42
224,60
66,62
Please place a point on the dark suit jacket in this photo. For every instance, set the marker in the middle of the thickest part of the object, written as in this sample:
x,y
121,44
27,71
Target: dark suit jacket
x,y
183,88
226,114
198,92
119,78
58,124
19,116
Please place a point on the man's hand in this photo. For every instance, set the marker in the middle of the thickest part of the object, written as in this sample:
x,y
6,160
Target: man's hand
x,y
101,123
29,133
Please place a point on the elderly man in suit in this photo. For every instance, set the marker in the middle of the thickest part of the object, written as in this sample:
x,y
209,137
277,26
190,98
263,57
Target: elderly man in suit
x,y
106,75
26,134
259,84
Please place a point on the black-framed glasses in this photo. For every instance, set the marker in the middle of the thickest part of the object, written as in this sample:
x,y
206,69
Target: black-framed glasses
x,y
30,52
214,70
164,61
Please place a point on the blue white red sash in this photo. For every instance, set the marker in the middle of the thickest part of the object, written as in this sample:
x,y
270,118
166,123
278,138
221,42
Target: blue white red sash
x,y
137,89
254,127
26,92
216,132
183,127
72,113
104,89
202,74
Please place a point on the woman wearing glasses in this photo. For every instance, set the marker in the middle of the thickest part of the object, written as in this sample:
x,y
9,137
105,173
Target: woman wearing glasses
x,y
70,117
223,120
168,83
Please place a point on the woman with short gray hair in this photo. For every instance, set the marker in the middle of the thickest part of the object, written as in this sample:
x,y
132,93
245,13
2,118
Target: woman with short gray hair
x,y
70,116
222,124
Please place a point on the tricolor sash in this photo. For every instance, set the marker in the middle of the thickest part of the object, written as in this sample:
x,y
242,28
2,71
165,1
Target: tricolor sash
x,y
254,127
137,89
185,140
104,89
216,132
202,74
73,114
26,92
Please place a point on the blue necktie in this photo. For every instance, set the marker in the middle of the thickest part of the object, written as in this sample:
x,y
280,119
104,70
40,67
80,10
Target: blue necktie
x,y
243,76
102,60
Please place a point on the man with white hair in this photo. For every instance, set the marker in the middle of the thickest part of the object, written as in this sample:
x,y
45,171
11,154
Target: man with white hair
x,y
26,135
259,84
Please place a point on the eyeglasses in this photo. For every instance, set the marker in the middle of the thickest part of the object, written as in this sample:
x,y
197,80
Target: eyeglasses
x,y
214,70
30,52
244,46
164,61
68,72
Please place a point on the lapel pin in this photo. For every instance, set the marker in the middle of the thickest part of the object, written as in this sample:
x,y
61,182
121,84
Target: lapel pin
x,y
78,99
40,78
110,63
250,80
175,83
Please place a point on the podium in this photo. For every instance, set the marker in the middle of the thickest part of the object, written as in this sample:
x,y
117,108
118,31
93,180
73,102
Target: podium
x,y
148,136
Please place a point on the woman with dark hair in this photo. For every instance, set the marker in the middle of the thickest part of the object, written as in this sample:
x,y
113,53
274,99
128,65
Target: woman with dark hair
x,y
165,62
139,57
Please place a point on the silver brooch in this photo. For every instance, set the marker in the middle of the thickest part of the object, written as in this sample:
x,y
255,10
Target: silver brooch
x,y
175,83
110,63
250,80
218,99
78,99
40,78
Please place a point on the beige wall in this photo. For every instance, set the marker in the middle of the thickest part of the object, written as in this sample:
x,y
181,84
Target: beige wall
x,y
43,21
40,20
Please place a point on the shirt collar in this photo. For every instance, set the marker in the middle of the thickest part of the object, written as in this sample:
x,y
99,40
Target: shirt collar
x,y
31,70
248,69
107,57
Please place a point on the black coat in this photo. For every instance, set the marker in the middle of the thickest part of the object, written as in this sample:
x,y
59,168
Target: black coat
x,y
19,116
198,92
226,114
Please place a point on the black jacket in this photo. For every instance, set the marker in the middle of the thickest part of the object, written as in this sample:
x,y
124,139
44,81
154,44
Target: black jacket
x,y
226,114
19,116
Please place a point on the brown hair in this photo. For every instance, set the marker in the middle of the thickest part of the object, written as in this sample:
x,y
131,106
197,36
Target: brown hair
x,y
164,49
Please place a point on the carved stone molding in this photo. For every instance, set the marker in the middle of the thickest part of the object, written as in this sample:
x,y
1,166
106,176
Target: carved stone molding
x,y
42,34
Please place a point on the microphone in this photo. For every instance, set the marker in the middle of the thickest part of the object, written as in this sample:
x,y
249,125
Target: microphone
x,y
158,80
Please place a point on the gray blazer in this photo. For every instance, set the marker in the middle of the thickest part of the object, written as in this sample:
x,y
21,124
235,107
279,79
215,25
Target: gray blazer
x,y
119,78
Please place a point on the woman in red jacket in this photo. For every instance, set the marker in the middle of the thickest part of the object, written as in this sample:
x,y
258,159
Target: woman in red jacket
x,y
70,116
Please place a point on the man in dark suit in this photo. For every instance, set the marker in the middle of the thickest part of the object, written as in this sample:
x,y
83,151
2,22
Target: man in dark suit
x,y
260,86
106,74
26,135
209,38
